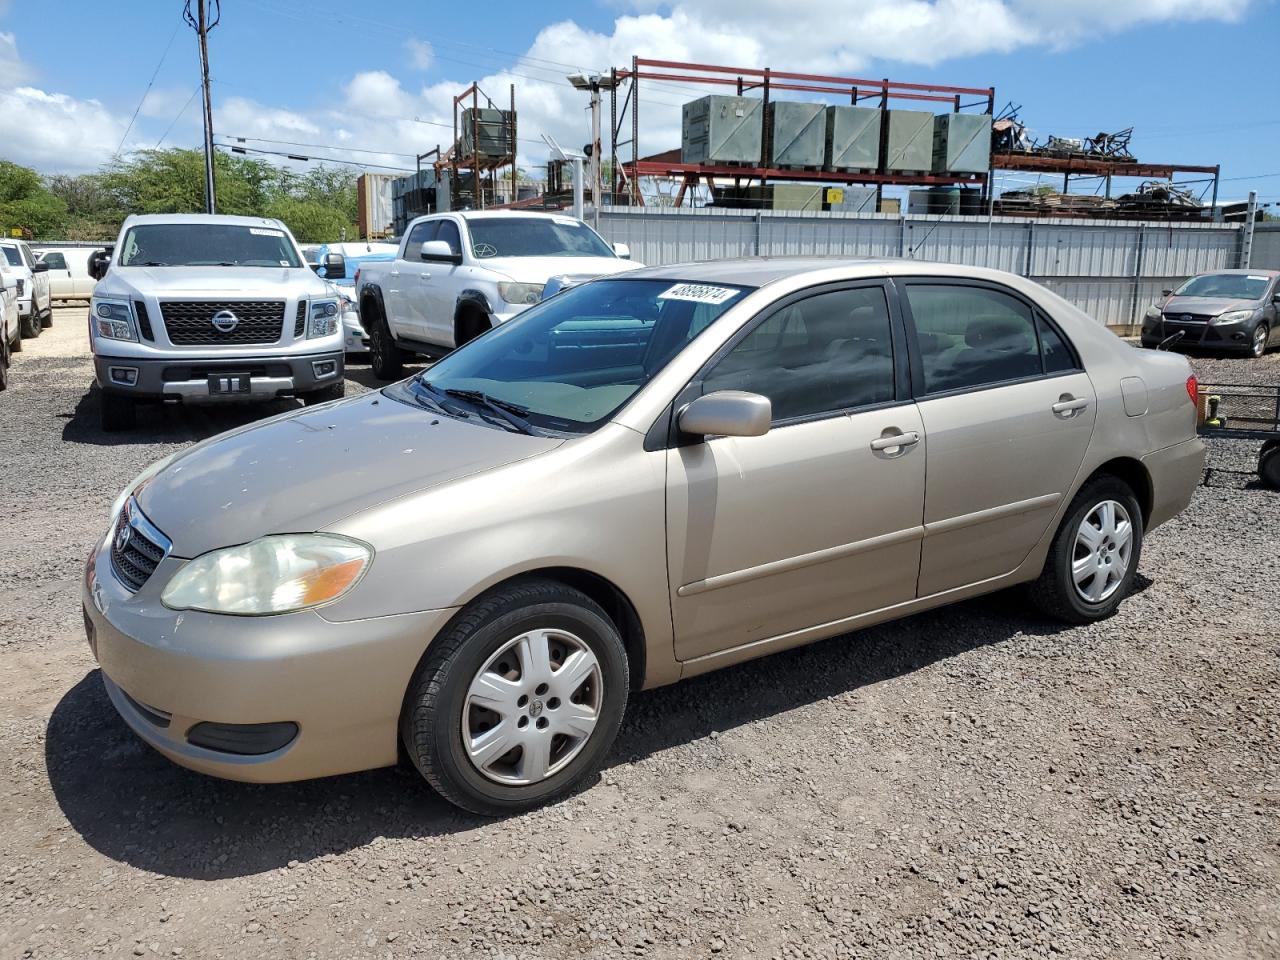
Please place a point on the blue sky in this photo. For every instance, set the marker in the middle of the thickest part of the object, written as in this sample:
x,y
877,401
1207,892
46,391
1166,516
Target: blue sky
x,y
1198,79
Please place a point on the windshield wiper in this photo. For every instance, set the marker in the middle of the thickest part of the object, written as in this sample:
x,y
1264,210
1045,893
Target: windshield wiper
x,y
512,413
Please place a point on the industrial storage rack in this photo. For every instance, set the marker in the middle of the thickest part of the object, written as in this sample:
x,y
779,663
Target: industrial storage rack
x,y
624,110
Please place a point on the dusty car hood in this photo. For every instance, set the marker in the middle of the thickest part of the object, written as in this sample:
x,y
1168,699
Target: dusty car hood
x,y
1207,306
306,470
539,269
265,282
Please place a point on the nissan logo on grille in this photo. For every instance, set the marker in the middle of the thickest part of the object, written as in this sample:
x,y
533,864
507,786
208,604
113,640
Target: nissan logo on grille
x,y
224,321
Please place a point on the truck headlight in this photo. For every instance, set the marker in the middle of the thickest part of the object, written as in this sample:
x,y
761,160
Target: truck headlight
x,y
113,320
525,293
276,574
324,318
1232,316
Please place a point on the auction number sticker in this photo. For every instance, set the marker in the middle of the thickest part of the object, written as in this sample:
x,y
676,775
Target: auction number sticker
x,y
261,232
698,293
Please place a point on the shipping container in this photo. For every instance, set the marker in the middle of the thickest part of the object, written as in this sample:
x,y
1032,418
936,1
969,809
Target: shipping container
x,y
374,209
797,134
722,130
910,141
491,128
962,143
852,138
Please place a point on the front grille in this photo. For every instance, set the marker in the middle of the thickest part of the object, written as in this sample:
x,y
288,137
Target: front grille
x,y
144,321
300,324
135,556
1187,318
190,322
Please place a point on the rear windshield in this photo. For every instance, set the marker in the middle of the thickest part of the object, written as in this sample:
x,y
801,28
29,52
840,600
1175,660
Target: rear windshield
x,y
13,256
547,236
207,245
1237,286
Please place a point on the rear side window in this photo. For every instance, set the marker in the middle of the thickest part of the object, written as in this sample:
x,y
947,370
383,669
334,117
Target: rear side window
x,y
974,336
829,352
56,261
13,256
419,235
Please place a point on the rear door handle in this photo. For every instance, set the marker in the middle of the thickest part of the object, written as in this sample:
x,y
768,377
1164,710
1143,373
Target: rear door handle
x,y
424,276
895,440
1069,406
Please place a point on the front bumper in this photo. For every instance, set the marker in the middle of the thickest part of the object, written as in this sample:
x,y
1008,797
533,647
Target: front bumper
x,y
1175,473
342,684
1233,336
187,379
353,335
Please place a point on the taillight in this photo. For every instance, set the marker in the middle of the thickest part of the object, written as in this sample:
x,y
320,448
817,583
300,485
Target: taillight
x,y
1193,388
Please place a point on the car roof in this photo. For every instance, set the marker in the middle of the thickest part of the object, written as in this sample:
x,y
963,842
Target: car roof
x,y
1244,271
506,214
761,271
207,218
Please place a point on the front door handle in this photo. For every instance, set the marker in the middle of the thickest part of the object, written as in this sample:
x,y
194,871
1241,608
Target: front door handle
x,y
1068,406
424,276
890,441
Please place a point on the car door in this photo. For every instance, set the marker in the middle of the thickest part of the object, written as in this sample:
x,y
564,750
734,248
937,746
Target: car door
x,y
1008,411
40,300
820,518
438,287
61,284
403,296
78,261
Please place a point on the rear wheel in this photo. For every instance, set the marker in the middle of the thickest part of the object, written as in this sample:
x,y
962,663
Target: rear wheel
x,y
46,320
31,325
1094,555
118,412
1258,346
386,359
519,700
335,391
4,362
1269,465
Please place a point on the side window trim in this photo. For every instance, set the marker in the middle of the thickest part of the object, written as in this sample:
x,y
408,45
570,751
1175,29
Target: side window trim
x,y
901,373
916,363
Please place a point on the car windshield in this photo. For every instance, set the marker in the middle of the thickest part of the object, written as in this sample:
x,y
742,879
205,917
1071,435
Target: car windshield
x,y
569,363
541,236
207,245
1237,286
13,256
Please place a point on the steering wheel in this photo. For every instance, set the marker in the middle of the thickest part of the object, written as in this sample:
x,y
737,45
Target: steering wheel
x,y
484,250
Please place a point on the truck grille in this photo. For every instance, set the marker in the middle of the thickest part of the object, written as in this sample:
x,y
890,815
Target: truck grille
x,y
190,322
136,554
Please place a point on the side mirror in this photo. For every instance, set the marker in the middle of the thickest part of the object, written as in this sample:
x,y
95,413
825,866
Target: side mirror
x,y
335,266
39,267
440,252
727,413
1165,293
99,262
622,250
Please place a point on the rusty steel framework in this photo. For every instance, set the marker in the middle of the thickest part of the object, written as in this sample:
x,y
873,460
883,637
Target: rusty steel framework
x,y
626,174
455,160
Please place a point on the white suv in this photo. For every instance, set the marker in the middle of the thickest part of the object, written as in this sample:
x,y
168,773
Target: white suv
x,y
35,305
456,275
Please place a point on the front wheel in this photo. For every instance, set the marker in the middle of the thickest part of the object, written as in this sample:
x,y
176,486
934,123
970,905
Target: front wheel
x,y
31,325
4,361
519,700
1094,555
1258,346
46,319
385,358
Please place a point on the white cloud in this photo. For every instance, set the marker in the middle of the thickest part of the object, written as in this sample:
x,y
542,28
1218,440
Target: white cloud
x,y
55,132
12,70
421,53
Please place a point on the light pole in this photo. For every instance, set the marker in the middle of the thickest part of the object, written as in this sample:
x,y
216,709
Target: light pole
x,y
593,84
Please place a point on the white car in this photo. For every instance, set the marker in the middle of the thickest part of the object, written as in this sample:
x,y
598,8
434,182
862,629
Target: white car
x,y
10,329
457,275
68,271
357,254
35,305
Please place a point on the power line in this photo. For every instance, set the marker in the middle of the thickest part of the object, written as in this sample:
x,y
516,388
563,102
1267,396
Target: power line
x,y
143,99
324,146
174,121
238,148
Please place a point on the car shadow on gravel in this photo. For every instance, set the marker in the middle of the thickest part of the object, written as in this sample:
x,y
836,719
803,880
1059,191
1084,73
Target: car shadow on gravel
x,y
134,806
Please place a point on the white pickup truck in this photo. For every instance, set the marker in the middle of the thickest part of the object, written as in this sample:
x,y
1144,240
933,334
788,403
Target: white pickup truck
x,y
196,308
456,275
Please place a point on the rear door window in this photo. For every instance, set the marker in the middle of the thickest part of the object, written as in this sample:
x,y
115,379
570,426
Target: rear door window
x,y
56,261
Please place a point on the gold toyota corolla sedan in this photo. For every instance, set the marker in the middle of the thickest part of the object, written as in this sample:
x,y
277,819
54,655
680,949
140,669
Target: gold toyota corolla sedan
x,y
641,479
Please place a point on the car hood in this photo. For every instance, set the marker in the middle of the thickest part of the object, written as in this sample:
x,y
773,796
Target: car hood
x,y
306,470
1207,306
230,282
540,269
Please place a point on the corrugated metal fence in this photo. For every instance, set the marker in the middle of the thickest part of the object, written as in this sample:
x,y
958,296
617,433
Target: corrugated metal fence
x,y
1266,246
1111,269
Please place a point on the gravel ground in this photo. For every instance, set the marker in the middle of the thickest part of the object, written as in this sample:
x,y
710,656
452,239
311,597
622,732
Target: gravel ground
x,y
971,782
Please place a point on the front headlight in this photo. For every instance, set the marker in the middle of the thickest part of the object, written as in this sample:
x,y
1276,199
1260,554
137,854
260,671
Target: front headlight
x,y
1153,313
277,574
1233,316
324,318
113,319
526,293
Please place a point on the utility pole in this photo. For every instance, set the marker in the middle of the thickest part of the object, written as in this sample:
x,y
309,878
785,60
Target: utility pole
x,y
202,23
594,84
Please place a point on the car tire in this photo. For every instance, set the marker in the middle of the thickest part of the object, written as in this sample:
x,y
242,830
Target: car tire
x,y
385,357
118,412
334,391
1107,561
15,345
441,724
4,362
31,325
46,319
1269,466
1258,345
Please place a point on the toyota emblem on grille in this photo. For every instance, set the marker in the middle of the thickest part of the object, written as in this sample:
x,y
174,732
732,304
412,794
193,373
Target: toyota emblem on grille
x,y
123,535
224,321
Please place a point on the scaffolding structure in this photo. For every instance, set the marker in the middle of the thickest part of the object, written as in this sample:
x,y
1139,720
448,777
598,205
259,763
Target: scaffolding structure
x,y
1106,170
483,168
626,174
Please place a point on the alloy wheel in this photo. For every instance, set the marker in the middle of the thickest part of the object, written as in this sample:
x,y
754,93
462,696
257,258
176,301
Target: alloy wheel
x,y
1259,339
1103,550
532,707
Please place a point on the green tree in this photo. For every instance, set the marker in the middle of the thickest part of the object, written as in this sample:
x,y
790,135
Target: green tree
x,y
310,221
92,211
26,205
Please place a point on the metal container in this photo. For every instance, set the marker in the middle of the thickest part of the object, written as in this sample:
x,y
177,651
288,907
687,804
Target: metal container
x,y
962,143
798,196
946,201
797,133
849,199
852,138
491,129
718,130
373,205
910,148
